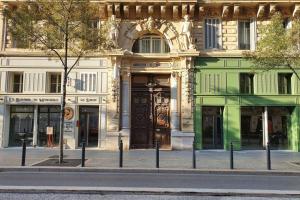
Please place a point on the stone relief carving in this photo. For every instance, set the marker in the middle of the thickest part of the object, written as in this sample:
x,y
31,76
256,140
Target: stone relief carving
x,y
186,33
114,31
151,25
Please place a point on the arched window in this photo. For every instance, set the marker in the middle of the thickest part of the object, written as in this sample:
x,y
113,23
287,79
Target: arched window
x,y
151,44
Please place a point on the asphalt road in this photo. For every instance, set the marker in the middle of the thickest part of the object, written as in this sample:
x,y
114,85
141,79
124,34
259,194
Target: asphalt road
x,y
57,196
151,180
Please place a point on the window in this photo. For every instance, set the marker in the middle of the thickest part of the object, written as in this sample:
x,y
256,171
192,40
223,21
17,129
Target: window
x,y
151,44
246,83
287,23
88,82
247,35
212,34
21,121
17,82
54,82
284,83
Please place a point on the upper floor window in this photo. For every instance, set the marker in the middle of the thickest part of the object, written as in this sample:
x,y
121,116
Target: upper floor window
x,y
54,82
246,83
212,34
16,84
284,83
287,23
151,44
246,34
88,82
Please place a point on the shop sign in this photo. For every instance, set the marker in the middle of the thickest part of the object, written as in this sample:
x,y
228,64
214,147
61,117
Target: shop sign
x,y
92,100
69,128
69,113
31,100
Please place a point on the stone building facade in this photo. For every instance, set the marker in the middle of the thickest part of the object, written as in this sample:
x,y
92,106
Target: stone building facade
x,y
176,75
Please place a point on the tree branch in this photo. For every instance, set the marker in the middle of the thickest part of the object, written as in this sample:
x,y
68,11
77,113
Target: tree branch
x,y
76,61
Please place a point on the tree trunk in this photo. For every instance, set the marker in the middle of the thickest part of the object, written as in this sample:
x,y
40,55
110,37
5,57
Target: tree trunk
x,y
63,103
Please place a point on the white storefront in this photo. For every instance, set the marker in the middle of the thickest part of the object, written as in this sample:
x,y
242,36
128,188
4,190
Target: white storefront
x,y
28,104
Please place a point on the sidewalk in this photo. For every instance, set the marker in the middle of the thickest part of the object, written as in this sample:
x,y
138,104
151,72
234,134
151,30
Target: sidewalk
x,y
145,159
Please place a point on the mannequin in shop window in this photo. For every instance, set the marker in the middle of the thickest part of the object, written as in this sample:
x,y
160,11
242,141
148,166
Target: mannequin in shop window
x,y
273,138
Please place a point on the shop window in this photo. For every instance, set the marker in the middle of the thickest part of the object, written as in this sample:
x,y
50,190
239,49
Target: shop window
x,y
151,44
21,121
54,82
88,82
246,35
48,116
16,82
246,83
284,83
212,34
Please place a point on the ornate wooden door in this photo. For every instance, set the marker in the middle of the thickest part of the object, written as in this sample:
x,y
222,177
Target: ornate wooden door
x,y
150,112
140,119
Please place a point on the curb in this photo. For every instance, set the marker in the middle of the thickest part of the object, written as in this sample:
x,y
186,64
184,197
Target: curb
x,y
148,170
149,191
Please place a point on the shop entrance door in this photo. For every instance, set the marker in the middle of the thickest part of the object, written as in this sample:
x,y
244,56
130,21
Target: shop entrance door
x,y
150,111
88,125
212,128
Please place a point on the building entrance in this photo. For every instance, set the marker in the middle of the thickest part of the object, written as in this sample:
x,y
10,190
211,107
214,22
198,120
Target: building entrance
x,y
88,125
212,127
150,111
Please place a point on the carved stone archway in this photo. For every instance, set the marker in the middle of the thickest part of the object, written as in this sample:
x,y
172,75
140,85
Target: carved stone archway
x,y
150,25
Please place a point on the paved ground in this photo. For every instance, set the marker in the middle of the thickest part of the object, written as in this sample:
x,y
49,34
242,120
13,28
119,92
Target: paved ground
x,y
72,196
244,160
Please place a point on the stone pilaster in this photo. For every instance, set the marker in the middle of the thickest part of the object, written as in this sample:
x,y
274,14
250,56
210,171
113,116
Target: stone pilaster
x,y
125,98
174,102
113,104
2,27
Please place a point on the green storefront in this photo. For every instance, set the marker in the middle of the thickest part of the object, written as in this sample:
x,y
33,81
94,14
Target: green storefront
x,y
249,108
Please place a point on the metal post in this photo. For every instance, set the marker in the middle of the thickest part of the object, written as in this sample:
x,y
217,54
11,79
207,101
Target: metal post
x,y
157,154
83,153
194,154
121,154
23,151
231,155
268,156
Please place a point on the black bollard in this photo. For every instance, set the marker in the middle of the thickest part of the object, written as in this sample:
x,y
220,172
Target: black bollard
x,y
23,151
157,154
83,153
231,155
268,157
121,154
194,154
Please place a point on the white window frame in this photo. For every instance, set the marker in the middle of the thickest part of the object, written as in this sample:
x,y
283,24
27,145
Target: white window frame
x,y
89,87
163,43
252,35
12,82
218,36
49,74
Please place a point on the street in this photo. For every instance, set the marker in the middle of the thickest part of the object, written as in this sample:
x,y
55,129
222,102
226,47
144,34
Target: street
x,y
72,196
151,180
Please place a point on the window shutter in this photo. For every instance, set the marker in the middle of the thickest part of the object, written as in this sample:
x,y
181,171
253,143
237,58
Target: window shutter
x,y
252,34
